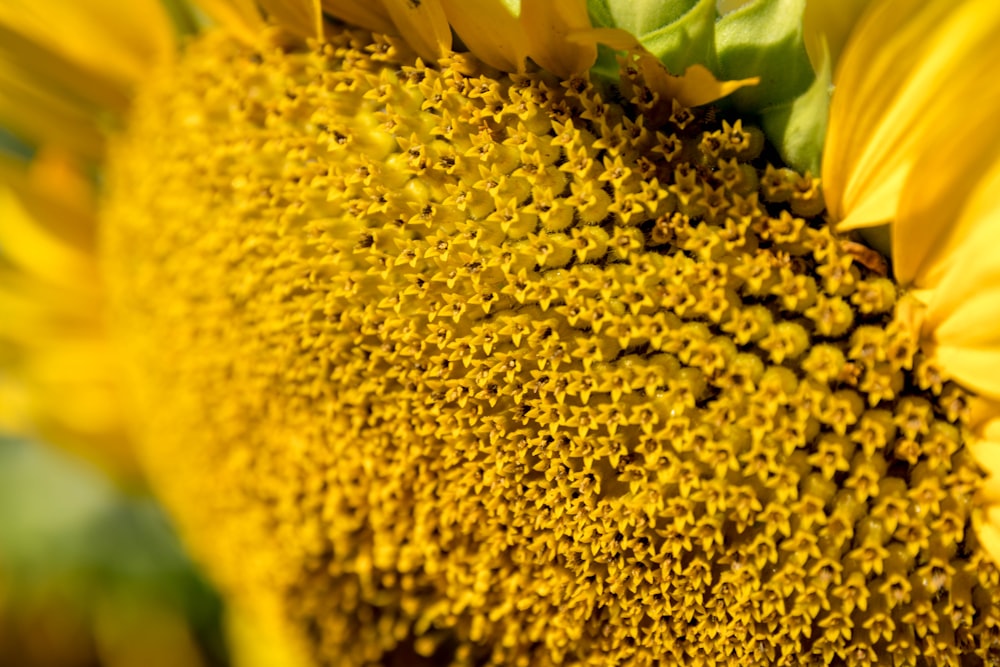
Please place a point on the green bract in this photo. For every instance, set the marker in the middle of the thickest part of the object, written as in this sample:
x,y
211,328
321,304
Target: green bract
x,y
761,39
797,127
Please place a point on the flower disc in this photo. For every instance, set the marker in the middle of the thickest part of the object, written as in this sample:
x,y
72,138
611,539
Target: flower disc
x,y
489,369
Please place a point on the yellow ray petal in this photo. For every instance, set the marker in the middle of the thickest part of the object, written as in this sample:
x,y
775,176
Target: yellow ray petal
x,y
940,208
961,317
909,70
490,31
548,24
67,393
28,246
47,118
698,86
241,17
54,355
55,72
302,17
117,39
945,245
424,26
69,216
368,15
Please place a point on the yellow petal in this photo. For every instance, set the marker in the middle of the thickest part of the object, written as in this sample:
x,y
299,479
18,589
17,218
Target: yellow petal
x,y
989,493
240,17
548,24
118,39
945,246
49,69
616,38
368,15
490,31
27,245
697,86
68,216
940,208
423,25
48,118
910,69
54,354
302,17
961,319
64,65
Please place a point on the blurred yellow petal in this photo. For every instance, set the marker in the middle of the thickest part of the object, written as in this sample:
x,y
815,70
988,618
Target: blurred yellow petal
x,y
28,246
241,17
909,70
53,70
68,216
547,24
49,169
368,15
424,26
117,39
491,32
16,405
303,17
65,65
990,461
55,356
47,118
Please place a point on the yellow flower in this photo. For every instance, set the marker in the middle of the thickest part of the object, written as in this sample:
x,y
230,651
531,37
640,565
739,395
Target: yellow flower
x,y
457,356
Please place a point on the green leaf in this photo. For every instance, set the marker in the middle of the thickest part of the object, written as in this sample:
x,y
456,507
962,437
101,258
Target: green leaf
x,y
687,41
642,16
678,32
764,38
798,127
600,14
606,66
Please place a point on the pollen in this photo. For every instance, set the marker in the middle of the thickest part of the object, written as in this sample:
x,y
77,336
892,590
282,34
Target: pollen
x,y
493,370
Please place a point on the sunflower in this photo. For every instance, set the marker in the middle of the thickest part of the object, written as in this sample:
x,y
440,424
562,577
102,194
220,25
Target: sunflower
x,y
529,333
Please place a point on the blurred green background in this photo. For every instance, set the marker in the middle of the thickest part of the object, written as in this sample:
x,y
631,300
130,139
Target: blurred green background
x,y
93,576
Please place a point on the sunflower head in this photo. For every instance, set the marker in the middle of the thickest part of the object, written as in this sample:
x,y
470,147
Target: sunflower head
x,y
476,337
